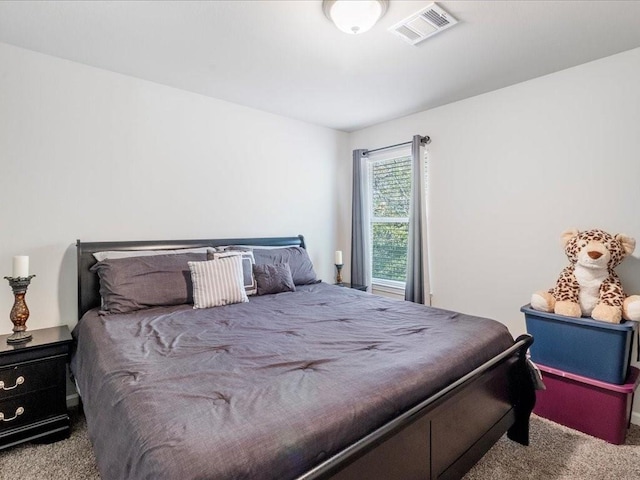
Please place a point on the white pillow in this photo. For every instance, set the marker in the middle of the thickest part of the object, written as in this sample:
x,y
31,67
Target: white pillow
x,y
227,248
218,282
99,256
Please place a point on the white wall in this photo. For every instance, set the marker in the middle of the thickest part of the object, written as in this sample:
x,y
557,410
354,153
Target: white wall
x,y
90,154
511,169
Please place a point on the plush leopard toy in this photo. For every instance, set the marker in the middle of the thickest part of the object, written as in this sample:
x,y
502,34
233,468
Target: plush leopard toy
x,y
589,286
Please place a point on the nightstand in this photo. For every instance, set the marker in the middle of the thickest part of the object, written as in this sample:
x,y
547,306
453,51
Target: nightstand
x,y
33,375
354,286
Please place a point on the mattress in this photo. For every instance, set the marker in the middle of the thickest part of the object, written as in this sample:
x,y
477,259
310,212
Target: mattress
x,y
265,389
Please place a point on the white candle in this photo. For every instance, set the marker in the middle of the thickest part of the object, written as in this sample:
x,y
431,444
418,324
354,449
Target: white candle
x,y
338,257
20,266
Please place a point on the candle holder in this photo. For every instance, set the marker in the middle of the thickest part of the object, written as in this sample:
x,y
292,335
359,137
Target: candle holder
x,y
339,275
19,313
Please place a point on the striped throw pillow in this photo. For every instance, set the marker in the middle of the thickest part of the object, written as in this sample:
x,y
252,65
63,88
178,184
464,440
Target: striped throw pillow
x,y
218,282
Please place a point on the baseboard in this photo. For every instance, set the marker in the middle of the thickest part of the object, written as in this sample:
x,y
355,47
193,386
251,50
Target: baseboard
x,y
73,400
635,418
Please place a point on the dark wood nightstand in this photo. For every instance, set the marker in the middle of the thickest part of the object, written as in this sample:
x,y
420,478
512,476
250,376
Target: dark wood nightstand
x,y
33,403
354,286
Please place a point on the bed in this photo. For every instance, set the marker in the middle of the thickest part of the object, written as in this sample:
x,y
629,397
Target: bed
x,y
323,382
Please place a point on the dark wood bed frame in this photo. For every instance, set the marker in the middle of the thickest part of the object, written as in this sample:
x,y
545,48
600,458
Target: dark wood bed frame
x,y
442,437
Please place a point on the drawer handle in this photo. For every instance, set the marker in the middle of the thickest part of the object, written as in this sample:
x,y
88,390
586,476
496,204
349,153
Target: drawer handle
x,y
19,381
19,411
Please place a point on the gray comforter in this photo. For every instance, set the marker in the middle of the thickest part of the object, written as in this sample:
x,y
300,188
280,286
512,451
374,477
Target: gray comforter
x,y
265,389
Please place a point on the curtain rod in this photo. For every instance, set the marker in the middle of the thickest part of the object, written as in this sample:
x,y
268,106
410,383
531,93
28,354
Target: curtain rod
x,y
426,140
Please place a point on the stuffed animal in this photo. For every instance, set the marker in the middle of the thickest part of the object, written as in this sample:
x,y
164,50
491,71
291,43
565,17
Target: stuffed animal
x,y
589,286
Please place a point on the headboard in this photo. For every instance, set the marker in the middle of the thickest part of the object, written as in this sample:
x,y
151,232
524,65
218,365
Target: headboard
x,y
89,284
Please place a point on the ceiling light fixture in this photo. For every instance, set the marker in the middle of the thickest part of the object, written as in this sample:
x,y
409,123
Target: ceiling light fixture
x,y
354,16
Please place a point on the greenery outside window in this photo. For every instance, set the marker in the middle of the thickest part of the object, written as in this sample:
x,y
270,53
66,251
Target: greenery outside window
x,y
389,199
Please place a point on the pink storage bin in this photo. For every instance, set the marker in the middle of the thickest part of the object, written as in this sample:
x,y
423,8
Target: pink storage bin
x,y
596,408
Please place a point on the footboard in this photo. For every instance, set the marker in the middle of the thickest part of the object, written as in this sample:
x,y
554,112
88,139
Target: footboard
x,y
444,436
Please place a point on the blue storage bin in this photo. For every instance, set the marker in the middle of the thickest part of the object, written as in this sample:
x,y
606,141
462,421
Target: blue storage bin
x,y
583,346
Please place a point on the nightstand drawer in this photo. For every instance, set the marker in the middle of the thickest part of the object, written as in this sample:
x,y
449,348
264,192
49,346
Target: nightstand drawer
x,y
33,393
23,409
31,376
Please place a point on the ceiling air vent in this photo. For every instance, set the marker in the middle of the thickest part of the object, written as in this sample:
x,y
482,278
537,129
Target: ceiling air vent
x,y
423,24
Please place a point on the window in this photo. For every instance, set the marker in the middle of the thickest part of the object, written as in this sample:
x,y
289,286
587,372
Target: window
x,y
390,195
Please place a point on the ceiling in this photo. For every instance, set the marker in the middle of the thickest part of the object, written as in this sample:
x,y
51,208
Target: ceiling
x,y
286,57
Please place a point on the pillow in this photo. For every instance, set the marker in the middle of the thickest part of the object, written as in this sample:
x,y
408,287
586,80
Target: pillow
x,y
99,256
235,248
218,282
135,283
249,247
247,264
273,278
297,257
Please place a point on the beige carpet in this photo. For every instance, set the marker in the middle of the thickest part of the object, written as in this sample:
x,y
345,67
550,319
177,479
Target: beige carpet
x,y
70,459
555,452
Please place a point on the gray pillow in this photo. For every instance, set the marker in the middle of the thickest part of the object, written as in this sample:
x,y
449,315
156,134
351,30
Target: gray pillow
x,y
135,283
296,257
273,278
99,256
247,264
